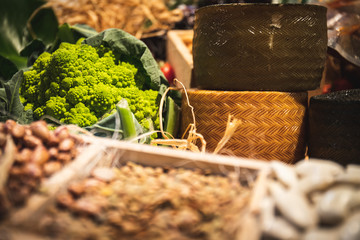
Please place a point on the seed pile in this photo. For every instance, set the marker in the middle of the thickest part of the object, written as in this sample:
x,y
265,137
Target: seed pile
x,y
39,153
136,202
315,199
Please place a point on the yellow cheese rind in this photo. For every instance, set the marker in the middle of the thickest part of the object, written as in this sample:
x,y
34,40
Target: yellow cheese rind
x,y
273,123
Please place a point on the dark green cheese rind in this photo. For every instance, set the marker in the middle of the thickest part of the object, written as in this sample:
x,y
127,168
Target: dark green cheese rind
x,y
259,47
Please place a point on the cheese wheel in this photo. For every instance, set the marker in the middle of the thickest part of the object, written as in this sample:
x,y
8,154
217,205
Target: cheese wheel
x,y
259,47
334,126
272,128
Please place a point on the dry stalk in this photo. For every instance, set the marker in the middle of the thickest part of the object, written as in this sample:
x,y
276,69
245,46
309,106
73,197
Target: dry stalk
x,y
140,18
231,127
190,142
193,136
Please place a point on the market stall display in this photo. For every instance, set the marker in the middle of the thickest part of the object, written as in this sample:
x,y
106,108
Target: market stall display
x,y
89,147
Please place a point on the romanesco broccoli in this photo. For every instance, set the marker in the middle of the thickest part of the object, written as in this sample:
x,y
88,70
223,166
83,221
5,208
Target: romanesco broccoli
x,y
78,84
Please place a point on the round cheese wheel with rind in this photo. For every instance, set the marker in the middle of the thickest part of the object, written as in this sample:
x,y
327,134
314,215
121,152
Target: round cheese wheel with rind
x,y
273,124
334,126
259,47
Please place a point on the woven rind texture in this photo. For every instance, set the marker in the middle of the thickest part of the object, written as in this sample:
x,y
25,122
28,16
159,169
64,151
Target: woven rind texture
x,y
334,130
259,47
273,123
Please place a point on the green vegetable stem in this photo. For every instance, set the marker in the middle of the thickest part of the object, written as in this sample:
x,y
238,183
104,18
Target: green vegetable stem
x,y
127,120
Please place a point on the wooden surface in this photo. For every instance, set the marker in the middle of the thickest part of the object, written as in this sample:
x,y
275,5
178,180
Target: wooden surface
x,y
179,55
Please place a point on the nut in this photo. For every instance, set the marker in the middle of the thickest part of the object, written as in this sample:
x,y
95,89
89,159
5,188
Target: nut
x,y
53,151
66,145
32,141
2,139
76,189
9,124
53,140
2,127
64,157
65,200
18,131
40,130
51,167
40,155
62,132
24,155
33,170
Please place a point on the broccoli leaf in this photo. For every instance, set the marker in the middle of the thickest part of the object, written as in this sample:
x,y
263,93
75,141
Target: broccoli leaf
x,y
15,34
131,49
7,69
10,104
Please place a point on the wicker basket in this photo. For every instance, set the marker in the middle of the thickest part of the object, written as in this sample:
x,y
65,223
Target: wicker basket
x,y
273,123
334,126
259,47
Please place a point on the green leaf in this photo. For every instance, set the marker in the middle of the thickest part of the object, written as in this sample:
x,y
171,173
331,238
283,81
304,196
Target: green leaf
x,y
83,31
10,103
70,34
44,25
32,51
13,27
130,49
7,68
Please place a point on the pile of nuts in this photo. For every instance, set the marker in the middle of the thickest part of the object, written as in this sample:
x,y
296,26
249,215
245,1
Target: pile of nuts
x,y
40,152
137,202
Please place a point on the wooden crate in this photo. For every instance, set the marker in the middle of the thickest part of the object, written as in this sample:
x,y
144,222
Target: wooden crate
x,y
112,153
179,54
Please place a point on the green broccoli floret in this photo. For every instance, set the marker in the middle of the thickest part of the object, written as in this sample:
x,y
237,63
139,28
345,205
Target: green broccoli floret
x,y
79,84
29,88
56,107
80,115
41,62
